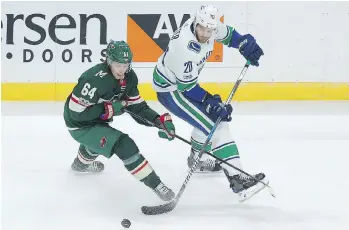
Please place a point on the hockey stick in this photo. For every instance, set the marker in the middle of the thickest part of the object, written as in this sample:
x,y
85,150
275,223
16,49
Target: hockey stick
x,y
160,209
208,153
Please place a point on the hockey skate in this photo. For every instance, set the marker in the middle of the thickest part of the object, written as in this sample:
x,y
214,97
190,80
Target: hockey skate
x,y
94,167
246,187
204,166
165,193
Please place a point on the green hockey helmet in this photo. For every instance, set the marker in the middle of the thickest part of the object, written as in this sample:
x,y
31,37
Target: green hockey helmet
x,y
119,51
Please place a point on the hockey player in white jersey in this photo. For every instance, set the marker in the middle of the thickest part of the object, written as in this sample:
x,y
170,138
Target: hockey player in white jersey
x,y
175,79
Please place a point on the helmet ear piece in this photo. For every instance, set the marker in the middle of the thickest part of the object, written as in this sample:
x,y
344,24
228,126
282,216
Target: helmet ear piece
x,y
129,68
108,61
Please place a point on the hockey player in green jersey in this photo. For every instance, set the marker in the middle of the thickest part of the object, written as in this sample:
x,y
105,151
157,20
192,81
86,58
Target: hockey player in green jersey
x,y
102,92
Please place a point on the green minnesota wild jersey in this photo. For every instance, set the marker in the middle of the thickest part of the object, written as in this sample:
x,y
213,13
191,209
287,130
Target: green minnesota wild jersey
x,y
97,85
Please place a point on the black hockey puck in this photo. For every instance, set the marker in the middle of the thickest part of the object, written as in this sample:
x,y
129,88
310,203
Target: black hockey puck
x,y
126,223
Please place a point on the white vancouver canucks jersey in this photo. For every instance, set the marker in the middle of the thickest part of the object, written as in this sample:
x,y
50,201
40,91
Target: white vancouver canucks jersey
x,y
178,68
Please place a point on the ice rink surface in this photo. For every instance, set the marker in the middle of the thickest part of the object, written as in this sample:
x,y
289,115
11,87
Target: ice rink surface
x,y
303,147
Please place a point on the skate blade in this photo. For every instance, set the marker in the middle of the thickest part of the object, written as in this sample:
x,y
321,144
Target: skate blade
x,y
206,172
245,195
83,173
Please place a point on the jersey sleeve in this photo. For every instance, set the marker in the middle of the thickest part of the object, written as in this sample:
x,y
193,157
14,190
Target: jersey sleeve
x,y
137,104
227,35
83,104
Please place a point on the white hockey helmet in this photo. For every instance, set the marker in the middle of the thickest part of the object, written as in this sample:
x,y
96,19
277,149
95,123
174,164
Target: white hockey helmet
x,y
207,16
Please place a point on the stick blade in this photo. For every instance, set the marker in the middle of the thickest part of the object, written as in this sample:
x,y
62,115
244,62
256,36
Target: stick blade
x,y
271,191
160,209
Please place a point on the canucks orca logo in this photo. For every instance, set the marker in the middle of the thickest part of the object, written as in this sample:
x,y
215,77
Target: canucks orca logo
x,y
194,46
